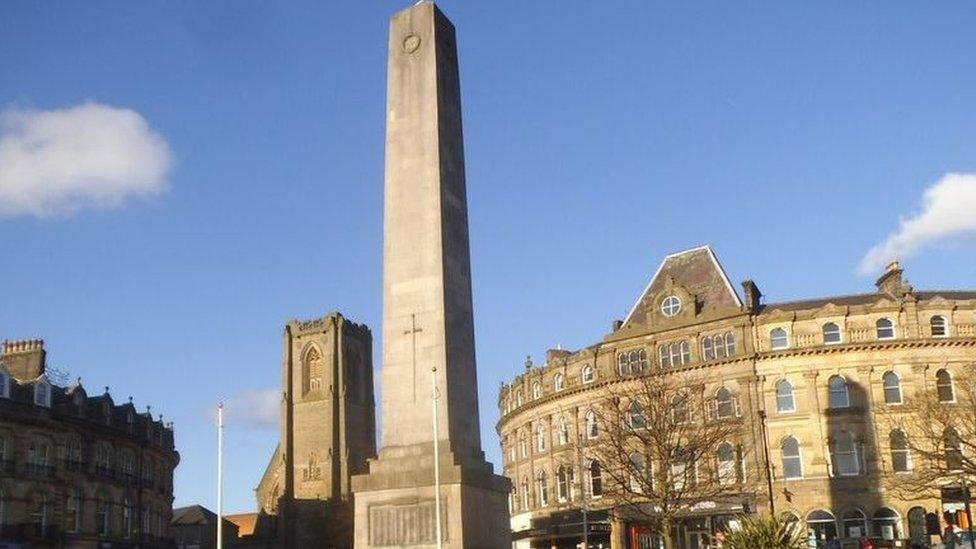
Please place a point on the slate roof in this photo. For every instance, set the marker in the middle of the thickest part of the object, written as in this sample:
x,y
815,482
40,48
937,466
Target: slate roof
x,y
862,299
697,270
193,514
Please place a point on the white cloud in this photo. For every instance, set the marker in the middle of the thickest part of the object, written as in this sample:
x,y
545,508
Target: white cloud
x,y
91,155
254,408
948,210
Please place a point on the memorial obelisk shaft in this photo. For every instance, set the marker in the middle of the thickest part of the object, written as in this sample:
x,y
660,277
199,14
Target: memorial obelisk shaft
x,y
428,325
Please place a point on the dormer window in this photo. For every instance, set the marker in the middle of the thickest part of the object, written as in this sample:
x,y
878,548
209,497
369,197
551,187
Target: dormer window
x,y
42,394
671,306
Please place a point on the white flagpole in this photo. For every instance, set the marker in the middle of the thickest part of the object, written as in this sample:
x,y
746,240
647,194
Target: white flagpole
x,y
437,459
220,475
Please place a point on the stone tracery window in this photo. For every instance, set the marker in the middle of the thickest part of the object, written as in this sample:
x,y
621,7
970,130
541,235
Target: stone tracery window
x,y
312,366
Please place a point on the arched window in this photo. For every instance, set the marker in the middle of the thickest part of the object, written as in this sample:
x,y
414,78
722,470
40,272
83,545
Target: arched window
x,y
822,526
779,339
679,408
708,350
637,465
536,391
623,364
792,461
560,382
940,327
312,366
892,388
887,524
724,405
636,416
564,483
542,487
664,356
839,396
855,524
886,328
641,360
846,462
683,469
917,530
595,479
943,386
953,449
587,374
726,464
592,427
718,344
103,511
563,430
518,398
633,362
729,344
127,512
540,439
525,494
523,445
831,333
685,352
785,402
901,455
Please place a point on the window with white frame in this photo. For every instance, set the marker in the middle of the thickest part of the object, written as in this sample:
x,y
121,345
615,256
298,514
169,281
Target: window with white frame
x,y
892,387
708,349
939,326
855,524
559,382
682,470
671,305
901,454
791,460
636,416
540,445
838,396
785,402
592,426
632,362
779,339
953,449
638,466
563,431
595,479
674,354
724,403
846,461
586,374
564,483
885,328
536,391
831,333
943,386
726,464
542,489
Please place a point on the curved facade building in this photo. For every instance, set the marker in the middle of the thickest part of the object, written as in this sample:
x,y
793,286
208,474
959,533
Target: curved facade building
x,y
809,379
78,470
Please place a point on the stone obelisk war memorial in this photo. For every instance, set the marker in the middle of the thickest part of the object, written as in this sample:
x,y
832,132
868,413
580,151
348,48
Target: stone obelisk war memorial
x,y
326,485
428,325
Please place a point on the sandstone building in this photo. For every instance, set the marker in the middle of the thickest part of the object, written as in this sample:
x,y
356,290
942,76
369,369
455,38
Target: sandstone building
x,y
78,470
809,378
327,434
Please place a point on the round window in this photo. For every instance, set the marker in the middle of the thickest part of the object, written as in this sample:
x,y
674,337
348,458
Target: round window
x,y
671,305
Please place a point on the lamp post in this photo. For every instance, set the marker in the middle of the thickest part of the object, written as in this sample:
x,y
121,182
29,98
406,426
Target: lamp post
x,y
220,475
769,472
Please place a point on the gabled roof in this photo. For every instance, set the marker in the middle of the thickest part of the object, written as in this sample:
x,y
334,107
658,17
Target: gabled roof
x,y
697,270
193,514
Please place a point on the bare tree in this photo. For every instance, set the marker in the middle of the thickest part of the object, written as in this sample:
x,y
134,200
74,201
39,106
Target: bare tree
x,y
931,437
664,444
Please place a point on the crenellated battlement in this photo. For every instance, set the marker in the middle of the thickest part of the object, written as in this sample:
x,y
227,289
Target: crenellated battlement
x,y
22,346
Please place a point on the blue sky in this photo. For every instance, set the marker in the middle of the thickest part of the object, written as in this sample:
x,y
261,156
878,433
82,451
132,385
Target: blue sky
x,y
246,187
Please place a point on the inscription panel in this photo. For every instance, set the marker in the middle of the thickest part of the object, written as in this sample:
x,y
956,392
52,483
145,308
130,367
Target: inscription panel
x,y
405,524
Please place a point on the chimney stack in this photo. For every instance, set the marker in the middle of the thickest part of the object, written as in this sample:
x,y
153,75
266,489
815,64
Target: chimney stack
x,y
892,282
25,358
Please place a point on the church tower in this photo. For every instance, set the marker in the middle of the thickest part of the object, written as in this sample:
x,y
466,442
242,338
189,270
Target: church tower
x,y
327,432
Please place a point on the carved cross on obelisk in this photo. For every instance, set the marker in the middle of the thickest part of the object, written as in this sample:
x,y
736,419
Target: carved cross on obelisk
x,y
413,331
